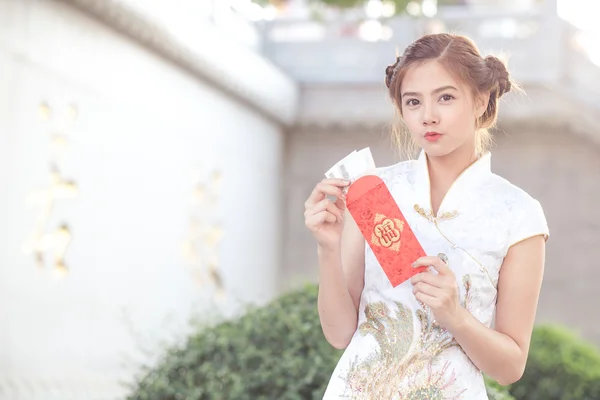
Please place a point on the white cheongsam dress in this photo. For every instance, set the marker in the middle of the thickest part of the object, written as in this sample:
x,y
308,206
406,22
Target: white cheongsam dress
x,y
398,351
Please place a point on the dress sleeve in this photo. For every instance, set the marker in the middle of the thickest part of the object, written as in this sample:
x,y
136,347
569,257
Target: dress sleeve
x,y
529,221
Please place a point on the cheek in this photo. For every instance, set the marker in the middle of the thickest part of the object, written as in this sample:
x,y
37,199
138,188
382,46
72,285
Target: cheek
x,y
412,119
460,120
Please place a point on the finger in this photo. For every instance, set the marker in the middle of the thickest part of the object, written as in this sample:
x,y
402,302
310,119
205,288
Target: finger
x,y
428,278
324,205
426,299
341,183
315,196
314,221
426,261
440,266
340,203
321,190
332,208
425,288
331,190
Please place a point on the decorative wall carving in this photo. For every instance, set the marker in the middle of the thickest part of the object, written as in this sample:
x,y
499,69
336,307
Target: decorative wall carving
x,y
48,242
200,248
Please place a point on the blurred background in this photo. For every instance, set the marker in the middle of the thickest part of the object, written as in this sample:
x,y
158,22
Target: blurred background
x,y
155,157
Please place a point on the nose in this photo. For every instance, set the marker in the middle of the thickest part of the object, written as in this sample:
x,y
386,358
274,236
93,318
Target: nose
x,y
429,116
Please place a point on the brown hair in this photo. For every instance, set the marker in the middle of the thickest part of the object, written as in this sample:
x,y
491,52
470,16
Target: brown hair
x,y
461,57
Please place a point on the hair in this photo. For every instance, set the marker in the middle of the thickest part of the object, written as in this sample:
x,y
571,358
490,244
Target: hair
x,y
461,57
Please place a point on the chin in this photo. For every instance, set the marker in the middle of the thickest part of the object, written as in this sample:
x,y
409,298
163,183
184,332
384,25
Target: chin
x,y
436,149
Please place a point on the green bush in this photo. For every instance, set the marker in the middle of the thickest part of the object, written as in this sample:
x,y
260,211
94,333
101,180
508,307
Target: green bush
x,y
495,391
273,352
560,366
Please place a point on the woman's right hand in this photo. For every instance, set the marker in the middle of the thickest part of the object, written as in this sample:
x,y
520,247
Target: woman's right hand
x,y
323,217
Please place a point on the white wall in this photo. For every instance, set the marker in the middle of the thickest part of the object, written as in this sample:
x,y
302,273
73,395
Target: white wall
x,y
143,126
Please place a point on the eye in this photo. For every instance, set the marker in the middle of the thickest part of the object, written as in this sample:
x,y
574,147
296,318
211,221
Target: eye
x,y
412,102
446,97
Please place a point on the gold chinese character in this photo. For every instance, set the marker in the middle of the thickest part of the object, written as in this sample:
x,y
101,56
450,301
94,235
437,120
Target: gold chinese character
x,y
387,232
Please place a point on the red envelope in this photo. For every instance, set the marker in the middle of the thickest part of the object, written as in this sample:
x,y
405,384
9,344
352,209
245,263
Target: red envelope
x,y
384,227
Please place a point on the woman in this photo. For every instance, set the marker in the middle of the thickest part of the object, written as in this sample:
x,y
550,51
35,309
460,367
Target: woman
x,y
473,310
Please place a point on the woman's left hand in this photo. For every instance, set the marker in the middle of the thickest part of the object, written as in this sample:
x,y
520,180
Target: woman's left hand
x,y
438,291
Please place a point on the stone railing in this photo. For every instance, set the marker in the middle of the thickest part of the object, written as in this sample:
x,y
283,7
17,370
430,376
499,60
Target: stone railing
x,y
556,63
337,51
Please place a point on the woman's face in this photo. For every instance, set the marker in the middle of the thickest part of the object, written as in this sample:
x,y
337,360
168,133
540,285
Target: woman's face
x,y
439,111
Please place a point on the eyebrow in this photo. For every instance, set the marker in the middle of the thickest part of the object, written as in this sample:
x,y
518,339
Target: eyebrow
x,y
441,89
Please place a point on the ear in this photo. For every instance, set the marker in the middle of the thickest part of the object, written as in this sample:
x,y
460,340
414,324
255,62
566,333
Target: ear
x,y
481,103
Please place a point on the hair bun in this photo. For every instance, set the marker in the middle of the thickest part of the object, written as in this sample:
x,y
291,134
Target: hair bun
x,y
500,74
389,72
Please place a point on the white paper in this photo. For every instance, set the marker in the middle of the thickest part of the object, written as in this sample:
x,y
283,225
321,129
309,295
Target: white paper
x,y
353,166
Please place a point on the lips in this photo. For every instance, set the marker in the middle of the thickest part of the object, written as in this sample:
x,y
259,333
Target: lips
x,y
432,136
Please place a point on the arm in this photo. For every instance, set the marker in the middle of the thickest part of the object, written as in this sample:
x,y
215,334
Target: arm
x,y
341,280
501,353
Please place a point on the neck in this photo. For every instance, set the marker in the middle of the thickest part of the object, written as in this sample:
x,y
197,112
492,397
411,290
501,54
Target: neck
x,y
445,169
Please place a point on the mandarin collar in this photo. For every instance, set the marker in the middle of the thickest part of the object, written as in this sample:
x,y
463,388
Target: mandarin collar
x,y
472,176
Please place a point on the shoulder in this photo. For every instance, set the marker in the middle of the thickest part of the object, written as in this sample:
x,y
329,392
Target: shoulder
x,y
511,195
513,198
524,213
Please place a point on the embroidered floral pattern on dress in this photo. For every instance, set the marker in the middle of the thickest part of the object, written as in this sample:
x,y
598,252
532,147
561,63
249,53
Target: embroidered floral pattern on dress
x,y
433,385
402,360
